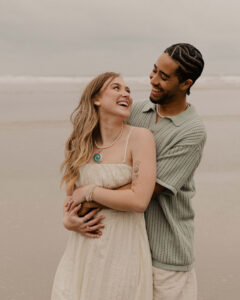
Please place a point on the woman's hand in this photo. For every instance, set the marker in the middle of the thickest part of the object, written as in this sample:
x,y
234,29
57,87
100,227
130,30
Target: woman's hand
x,y
88,225
79,196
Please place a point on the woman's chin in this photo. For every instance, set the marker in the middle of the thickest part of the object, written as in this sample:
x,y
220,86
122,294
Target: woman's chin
x,y
124,114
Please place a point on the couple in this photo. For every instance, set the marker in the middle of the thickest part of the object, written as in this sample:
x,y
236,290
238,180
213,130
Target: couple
x,y
122,166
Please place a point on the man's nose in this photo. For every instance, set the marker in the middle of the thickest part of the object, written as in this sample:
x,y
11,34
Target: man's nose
x,y
153,79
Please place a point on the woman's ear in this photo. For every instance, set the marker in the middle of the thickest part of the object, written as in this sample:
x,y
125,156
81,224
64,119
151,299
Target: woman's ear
x,y
96,101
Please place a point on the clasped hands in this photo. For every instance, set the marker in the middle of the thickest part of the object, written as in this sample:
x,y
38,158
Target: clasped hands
x,y
76,217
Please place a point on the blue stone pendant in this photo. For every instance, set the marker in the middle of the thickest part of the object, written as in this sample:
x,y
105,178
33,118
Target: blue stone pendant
x,y
97,157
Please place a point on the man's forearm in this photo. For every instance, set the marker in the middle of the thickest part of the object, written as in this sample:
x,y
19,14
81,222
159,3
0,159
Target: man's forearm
x,y
157,190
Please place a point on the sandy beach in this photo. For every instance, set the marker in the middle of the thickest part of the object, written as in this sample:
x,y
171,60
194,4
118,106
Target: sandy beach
x,y
33,128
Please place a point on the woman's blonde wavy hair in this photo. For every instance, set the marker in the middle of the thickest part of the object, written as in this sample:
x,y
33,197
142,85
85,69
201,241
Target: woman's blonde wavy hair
x,y
85,120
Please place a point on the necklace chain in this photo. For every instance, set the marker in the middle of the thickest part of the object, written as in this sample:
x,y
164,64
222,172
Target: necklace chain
x,y
115,140
161,116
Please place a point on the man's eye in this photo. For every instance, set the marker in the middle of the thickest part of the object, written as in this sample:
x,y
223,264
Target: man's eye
x,y
154,71
164,77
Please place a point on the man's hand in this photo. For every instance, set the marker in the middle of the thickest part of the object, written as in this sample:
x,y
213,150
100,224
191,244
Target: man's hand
x,y
87,206
87,226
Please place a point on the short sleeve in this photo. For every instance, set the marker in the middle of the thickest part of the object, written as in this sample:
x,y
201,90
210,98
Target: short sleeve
x,y
176,165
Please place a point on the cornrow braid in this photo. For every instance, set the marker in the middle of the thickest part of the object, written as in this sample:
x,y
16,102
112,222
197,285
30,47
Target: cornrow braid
x,y
189,59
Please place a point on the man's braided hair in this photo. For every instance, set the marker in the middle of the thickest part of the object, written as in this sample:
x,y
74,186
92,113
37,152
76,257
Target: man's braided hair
x,y
189,59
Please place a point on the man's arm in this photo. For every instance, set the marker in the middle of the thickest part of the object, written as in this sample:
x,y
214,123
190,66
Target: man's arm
x,y
177,163
158,189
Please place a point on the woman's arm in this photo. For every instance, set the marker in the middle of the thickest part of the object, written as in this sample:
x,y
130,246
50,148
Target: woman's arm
x,y
142,146
88,225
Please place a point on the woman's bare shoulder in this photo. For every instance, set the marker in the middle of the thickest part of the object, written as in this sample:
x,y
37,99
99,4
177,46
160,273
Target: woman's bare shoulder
x,y
140,132
141,135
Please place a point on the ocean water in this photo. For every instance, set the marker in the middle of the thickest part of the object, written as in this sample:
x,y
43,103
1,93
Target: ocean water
x,y
53,98
34,124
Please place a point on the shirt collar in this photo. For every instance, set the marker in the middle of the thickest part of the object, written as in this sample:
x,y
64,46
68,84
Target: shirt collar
x,y
177,120
149,106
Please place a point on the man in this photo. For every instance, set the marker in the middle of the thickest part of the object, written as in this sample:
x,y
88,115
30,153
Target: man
x,y
180,137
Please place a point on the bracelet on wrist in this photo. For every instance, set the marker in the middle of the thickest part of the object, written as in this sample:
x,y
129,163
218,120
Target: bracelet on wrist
x,y
89,196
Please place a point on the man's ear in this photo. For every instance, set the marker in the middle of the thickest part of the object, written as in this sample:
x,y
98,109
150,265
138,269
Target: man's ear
x,y
186,85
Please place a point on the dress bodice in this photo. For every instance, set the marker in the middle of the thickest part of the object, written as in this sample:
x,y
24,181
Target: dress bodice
x,y
105,175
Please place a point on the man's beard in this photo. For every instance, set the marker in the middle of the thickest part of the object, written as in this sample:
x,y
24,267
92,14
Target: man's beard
x,y
165,99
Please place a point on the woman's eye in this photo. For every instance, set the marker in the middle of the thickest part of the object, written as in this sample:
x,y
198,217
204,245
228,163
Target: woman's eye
x,y
116,88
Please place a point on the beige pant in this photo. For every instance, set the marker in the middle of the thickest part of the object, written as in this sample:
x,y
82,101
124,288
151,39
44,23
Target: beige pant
x,y
171,285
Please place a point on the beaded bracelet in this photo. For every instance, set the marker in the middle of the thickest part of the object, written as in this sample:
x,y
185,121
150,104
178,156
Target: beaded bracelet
x,y
90,192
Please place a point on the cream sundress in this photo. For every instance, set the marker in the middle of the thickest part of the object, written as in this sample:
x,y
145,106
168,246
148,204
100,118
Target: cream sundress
x,y
116,266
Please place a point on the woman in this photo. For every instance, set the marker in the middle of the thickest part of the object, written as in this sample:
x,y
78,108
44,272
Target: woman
x,y
102,154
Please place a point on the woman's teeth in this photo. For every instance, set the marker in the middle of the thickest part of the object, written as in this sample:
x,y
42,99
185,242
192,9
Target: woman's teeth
x,y
123,104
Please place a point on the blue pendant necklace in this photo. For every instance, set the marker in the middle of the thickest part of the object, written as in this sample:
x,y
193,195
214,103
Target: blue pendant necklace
x,y
97,157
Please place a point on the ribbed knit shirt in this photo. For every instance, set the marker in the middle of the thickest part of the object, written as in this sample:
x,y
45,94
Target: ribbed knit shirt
x,y
170,218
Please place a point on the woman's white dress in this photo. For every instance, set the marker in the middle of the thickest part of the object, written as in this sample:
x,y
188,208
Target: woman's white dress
x,y
116,266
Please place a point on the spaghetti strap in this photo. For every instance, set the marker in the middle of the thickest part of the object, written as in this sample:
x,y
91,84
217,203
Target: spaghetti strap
x,y
125,150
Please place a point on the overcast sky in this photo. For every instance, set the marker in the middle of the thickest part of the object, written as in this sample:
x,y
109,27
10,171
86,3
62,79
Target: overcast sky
x,y
85,37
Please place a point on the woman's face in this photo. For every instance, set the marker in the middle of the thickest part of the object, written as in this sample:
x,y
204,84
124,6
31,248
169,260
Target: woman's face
x,y
114,98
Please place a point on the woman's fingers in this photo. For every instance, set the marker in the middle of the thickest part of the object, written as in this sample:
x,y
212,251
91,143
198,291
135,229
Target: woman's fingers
x,y
91,214
93,228
76,209
92,235
89,225
66,206
73,205
93,221
92,231
68,203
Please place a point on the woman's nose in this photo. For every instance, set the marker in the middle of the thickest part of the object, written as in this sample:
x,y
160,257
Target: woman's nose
x,y
125,93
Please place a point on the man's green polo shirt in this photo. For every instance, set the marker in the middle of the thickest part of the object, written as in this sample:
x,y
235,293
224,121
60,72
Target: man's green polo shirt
x,y
169,218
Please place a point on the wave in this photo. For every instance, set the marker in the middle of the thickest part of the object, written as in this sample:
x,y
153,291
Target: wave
x,y
66,122
76,83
